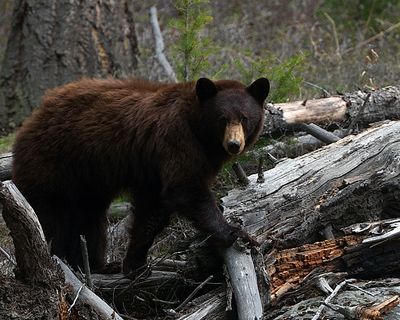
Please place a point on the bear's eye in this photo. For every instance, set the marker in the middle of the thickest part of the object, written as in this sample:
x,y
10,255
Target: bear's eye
x,y
243,119
223,120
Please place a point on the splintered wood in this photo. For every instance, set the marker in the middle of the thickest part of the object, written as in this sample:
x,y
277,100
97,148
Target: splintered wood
x,y
362,312
377,311
371,251
288,268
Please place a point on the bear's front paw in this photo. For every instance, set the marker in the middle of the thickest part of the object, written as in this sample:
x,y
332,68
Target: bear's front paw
x,y
235,232
252,241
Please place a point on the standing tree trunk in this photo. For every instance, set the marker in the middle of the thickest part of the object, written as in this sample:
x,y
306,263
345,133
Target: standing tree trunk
x,y
55,42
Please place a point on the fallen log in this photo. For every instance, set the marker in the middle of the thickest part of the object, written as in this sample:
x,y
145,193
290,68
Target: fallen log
x,y
37,267
36,274
381,105
243,278
300,197
5,166
354,180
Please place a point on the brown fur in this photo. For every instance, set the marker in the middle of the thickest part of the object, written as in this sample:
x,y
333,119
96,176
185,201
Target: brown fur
x,y
92,139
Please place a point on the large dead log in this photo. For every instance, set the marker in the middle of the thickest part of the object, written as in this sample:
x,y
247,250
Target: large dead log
x,y
354,180
37,267
361,107
37,275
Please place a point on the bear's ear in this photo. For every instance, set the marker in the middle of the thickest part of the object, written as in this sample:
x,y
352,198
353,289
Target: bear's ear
x,y
259,89
205,89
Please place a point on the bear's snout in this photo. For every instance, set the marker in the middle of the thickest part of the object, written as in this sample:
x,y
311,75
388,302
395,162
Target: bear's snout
x,y
233,146
234,139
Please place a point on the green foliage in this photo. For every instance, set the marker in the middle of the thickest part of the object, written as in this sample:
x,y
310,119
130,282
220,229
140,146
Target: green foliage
x,y
355,14
6,142
284,75
192,47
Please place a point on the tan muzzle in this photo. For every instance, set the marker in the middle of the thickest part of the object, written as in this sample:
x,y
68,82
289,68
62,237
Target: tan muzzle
x,y
234,141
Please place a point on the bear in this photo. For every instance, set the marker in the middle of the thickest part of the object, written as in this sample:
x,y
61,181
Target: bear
x,y
161,143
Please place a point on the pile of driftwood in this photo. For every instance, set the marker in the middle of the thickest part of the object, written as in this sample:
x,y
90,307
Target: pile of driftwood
x,y
328,222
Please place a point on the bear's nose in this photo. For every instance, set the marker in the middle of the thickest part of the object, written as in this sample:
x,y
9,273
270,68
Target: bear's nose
x,y
233,146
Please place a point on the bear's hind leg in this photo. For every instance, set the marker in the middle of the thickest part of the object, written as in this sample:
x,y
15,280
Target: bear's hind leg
x,y
56,224
148,221
92,223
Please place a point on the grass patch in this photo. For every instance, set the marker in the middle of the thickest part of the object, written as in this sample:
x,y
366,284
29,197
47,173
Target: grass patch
x,y
6,143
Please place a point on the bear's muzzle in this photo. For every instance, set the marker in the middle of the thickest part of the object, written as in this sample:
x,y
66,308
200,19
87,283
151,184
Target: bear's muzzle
x,y
234,140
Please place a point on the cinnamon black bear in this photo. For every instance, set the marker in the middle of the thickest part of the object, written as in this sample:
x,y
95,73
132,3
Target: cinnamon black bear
x,y
163,143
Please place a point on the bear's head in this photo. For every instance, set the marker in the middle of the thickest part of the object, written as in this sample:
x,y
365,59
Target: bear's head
x,y
232,113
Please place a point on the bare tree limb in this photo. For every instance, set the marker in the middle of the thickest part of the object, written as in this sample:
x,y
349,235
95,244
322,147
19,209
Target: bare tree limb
x,y
159,45
243,278
86,295
328,299
86,265
8,257
320,133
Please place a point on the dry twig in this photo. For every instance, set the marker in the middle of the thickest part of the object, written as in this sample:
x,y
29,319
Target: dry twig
x,y
329,298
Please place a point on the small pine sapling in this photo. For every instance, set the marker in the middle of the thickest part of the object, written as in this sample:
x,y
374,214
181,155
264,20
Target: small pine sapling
x,y
192,48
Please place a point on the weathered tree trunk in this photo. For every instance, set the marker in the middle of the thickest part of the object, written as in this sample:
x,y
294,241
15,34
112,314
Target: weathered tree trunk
x,y
37,274
52,43
5,166
360,107
356,179
37,267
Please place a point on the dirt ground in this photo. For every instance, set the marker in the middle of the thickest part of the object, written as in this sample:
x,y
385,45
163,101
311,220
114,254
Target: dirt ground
x,y
20,301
